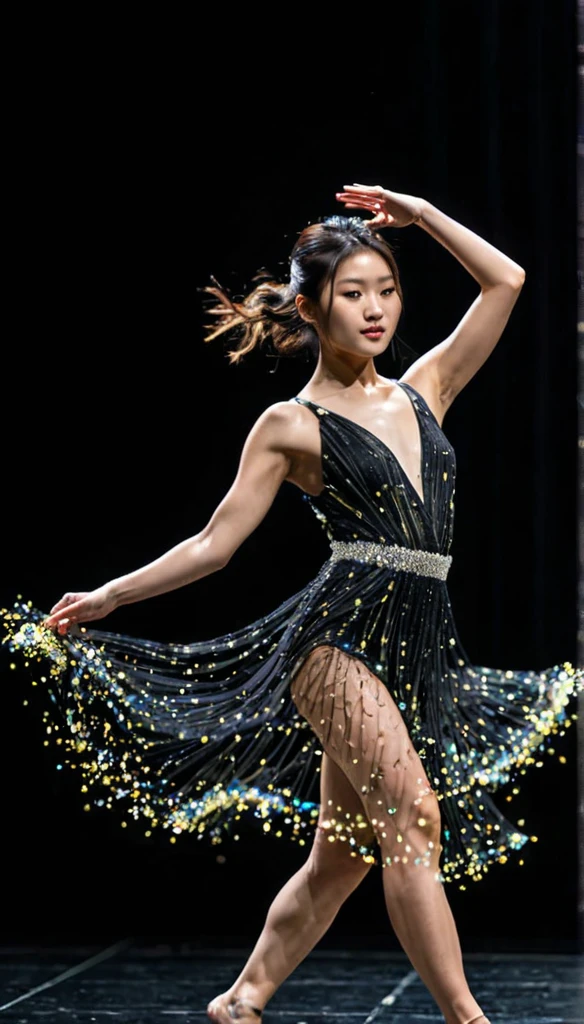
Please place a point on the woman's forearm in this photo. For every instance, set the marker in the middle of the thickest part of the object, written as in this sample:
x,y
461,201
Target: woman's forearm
x,y
487,264
190,560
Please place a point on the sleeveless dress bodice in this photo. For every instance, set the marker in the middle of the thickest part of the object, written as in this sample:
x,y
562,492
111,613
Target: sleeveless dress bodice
x,y
368,496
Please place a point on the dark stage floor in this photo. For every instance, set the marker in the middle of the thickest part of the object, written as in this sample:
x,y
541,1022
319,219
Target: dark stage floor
x,y
164,983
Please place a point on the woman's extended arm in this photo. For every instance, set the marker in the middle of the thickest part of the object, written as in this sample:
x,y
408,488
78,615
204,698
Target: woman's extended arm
x,y
264,465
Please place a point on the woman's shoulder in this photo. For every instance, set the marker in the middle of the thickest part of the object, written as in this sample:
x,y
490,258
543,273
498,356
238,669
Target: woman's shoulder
x,y
288,424
284,416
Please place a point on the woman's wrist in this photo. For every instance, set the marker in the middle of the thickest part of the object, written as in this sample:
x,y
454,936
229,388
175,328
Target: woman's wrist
x,y
425,209
113,592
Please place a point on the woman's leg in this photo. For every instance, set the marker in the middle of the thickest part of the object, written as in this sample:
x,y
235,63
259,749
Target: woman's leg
x,y
362,730
306,906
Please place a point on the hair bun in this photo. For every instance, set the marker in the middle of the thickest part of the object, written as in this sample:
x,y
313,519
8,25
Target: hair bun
x,y
352,225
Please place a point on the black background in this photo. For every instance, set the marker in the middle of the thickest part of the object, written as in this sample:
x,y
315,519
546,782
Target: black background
x,y
144,157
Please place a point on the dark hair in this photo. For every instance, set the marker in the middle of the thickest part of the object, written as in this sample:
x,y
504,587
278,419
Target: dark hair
x,y
269,313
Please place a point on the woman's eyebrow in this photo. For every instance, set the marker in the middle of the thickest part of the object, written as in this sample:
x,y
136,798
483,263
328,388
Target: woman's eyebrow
x,y
359,280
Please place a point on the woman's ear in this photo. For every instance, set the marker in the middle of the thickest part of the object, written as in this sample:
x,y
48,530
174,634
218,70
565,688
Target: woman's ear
x,y
305,309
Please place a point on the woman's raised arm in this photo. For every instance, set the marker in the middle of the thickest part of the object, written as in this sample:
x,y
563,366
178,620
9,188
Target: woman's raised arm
x,y
443,371
264,465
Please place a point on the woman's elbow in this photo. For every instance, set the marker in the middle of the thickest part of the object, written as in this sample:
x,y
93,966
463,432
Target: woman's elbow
x,y
208,555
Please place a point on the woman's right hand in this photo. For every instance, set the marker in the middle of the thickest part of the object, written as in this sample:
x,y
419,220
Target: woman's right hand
x,y
80,607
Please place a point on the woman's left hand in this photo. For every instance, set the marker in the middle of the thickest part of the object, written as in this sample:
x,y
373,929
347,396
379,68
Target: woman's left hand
x,y
390,209
76,606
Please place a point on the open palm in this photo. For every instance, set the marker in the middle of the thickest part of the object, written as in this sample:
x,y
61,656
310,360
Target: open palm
x,y
389,209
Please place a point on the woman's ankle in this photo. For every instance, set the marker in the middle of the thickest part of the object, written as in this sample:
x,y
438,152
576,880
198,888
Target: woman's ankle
x,y
254,995
464,1015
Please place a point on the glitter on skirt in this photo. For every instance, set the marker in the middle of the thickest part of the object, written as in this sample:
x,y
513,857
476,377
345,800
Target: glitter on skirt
x,y
363,664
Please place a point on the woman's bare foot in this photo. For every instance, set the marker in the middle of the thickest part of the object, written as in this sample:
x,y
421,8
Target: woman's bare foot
x,y
226,1008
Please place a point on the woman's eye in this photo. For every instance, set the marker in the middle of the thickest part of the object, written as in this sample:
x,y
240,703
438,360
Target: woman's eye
x,y
356,294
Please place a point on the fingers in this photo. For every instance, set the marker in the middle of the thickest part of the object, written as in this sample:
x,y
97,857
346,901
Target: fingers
x,y
66,600
379,220
354,203
66,617
368,204
369,189
354,206
366,197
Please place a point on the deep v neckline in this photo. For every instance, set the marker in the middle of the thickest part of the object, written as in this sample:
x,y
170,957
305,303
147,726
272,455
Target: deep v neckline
x,y
338,415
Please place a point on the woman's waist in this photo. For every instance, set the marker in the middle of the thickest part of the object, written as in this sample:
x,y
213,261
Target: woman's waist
x,y
391,556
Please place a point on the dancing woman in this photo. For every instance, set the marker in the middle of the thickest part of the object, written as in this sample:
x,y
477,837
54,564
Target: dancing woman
x,y
358,684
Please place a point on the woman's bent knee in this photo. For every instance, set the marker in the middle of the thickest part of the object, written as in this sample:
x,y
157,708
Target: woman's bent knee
x,y
415,839
428,819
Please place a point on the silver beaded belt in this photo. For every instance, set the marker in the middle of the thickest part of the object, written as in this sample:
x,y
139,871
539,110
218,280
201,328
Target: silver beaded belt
x,y
423,563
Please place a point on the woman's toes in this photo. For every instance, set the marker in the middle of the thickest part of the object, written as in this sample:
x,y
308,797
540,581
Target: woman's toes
x,y
214,1011
226,1009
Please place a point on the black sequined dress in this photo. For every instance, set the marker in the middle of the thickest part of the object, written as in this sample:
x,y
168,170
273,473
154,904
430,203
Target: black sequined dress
x,y
195,738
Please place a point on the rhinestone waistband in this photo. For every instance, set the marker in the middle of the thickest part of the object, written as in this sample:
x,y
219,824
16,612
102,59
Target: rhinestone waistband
x,y
423,563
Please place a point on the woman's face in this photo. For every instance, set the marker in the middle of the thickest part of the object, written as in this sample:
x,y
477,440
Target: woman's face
x,y
365,308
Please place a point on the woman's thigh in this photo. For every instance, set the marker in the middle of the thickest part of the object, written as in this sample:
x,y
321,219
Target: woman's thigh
x,y
364,735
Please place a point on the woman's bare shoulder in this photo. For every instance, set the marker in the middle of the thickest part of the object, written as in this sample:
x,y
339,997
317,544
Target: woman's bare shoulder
x,y
287,424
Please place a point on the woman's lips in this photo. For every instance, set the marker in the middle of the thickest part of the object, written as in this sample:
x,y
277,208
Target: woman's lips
x,y
373,332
